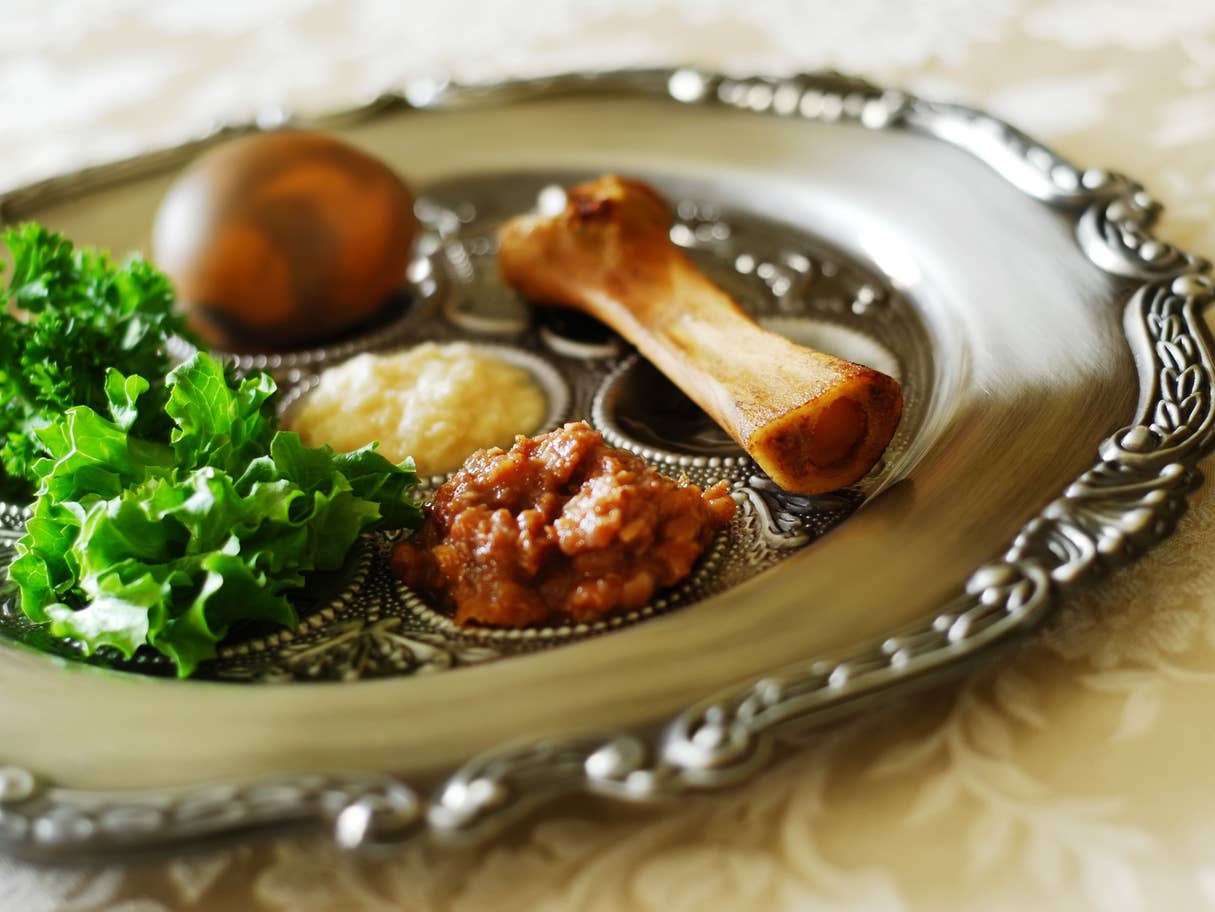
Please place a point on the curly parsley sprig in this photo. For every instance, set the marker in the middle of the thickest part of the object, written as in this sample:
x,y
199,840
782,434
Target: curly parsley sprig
x,y
67,315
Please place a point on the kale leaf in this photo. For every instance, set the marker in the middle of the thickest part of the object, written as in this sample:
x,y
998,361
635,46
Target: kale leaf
x,y
169,540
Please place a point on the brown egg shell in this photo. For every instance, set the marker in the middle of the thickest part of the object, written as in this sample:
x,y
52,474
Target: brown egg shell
x,y
284,240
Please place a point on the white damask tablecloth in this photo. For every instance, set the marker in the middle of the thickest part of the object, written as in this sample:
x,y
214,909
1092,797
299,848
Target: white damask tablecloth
x,y
1074,774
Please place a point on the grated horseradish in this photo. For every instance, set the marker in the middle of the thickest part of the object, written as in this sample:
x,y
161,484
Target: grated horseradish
x,y
436,403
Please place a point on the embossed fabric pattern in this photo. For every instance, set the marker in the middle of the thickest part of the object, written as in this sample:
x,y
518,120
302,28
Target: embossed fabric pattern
x,y
1070,774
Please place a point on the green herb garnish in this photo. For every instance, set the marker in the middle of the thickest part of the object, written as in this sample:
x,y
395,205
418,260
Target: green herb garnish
x,y
170,541
66,317
169,506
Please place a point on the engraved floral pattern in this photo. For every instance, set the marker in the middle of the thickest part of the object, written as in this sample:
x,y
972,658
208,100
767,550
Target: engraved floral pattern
x,y
1069,775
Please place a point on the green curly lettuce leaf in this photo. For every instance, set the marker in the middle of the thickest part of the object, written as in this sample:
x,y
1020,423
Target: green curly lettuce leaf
x,y
66,317
170,542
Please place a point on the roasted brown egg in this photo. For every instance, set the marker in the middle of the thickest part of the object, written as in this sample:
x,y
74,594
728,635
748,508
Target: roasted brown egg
x,y
284,240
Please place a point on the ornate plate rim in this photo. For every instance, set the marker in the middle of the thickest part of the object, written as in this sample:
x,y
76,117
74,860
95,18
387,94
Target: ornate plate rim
x,y
1128,501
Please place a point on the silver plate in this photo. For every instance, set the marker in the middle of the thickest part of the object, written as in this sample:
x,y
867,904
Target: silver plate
x,y
1062,394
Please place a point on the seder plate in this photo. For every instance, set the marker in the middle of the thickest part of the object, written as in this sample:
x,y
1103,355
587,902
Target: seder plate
x,y
1059,393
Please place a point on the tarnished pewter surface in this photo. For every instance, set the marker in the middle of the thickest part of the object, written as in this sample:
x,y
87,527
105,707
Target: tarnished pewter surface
x,y
1061,395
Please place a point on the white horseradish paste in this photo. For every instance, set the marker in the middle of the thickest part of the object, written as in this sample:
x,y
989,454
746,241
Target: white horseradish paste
x,y
436,403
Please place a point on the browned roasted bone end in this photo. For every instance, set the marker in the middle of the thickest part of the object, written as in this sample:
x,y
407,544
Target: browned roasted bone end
x,y
830,442
812,421
612,231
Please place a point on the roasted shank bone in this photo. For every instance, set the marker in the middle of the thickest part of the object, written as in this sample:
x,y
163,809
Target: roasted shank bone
x,y
812,421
